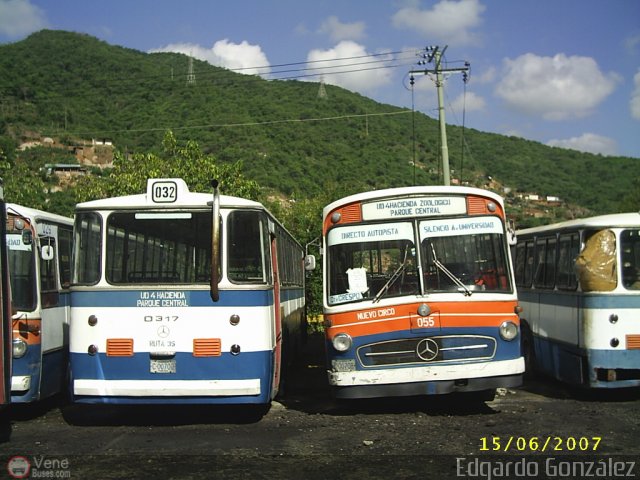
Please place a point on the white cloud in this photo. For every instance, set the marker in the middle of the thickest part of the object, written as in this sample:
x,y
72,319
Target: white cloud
x,y
469,102
448,21
339,31
631,43
588,142
20,17
359,78
555,88
487,77
242,57
635,97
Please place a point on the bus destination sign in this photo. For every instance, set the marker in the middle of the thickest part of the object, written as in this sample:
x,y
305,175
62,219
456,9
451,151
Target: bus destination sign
x,y
413,207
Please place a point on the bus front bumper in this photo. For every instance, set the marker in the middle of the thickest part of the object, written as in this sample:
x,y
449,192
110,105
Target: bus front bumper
x,y
165,388
424,380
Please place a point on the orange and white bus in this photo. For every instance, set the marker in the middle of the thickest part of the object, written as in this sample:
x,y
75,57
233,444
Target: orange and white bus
x,y
419,296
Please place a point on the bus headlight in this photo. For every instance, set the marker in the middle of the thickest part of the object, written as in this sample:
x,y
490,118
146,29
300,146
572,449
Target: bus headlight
x,y
508,331
19,348
342,342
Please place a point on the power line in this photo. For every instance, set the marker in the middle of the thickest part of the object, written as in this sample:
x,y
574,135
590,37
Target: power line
x,y
220,71
241,124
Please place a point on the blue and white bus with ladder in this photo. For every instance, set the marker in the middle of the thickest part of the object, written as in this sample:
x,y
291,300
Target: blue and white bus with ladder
x,y
181,297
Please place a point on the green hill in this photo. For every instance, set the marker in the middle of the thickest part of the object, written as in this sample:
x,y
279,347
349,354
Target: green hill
x,y
73,87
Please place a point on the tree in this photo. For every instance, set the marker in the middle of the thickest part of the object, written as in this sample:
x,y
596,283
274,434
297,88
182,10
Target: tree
x,y
130,174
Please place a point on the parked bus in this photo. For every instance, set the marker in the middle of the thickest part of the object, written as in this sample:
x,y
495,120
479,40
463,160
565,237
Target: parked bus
x,y
39,264
579,287
169,306
419,295
5,310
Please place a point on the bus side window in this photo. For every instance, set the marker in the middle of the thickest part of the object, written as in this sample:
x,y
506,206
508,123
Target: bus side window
x,y
568,249
529,263
520,264
48,276
545,267
64,256
630,256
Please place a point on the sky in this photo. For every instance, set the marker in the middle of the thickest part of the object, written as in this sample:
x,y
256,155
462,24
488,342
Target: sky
x,y
564,73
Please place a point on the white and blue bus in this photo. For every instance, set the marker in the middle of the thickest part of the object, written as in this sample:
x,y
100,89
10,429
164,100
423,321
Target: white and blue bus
x,y
579,287
5,310
169,306
39,265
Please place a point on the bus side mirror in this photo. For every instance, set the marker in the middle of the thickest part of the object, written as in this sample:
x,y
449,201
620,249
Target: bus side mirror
x,y
309,262
46,253
27,237
512,238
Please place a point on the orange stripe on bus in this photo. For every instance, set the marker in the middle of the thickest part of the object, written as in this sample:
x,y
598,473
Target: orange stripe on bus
x,y
28,330
403,318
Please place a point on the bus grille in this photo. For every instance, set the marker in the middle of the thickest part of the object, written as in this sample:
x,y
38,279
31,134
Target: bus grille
x,y
119,347
428,350
207,347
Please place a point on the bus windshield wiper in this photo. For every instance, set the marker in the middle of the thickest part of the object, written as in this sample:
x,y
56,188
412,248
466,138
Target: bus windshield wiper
x,y
448,273
385,288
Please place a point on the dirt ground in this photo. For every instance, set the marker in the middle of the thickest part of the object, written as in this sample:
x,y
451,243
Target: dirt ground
x,y
552,430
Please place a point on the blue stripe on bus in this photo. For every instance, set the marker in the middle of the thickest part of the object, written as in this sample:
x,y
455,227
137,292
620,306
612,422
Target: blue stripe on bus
x,y
291,293
246,365
64,300
569,363
185,298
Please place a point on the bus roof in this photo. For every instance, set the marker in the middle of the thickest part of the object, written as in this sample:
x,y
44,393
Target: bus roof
x,y
183,199
38,215
601,221
410,191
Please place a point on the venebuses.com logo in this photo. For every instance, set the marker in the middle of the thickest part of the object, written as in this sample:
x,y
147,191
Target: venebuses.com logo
x,y
20,466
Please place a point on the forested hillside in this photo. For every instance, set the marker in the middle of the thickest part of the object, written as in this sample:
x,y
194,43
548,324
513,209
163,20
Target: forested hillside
x,y
72,87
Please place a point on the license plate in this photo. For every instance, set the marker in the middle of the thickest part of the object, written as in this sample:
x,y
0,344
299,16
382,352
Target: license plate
x,y
163,366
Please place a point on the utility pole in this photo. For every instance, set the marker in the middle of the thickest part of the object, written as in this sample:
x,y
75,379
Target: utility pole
x,y
434,55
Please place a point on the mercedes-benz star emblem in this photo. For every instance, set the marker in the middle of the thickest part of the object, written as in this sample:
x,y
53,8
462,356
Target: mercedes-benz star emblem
x,y
427,349
163,331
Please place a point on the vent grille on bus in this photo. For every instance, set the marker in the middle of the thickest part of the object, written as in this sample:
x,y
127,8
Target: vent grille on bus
x,y
633,342
476,206
351,213
207,347
119,347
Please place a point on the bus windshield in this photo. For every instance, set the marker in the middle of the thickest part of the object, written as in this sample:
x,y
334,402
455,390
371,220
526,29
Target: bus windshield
x,y
22,274
466,255
170,248
372,261
158,247
630,252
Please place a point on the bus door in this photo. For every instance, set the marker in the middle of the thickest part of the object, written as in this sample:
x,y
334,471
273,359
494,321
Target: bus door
x,y
53,314
277,361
